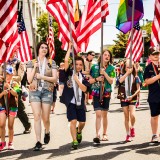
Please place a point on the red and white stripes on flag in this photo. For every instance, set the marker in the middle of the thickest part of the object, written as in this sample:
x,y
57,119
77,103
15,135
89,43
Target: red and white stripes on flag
x,y
137,44
93,15
24,53
50,39
155,34
8,27
58,9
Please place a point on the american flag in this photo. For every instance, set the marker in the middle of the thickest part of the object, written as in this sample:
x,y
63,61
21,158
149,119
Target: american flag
x,y
50,39
93,15
24,50
155,34
137,44
58,9
8,28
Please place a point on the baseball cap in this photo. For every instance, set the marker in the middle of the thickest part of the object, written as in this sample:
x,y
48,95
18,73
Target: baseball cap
x,y
155,52
9,69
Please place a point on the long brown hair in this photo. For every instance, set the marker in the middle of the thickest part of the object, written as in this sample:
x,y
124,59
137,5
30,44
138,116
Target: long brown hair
x,y
111,57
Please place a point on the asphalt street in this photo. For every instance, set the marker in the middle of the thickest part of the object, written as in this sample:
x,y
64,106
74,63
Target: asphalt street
x,y
59,147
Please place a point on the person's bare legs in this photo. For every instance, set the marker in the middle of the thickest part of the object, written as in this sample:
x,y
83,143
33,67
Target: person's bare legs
x,y
154,125
46,116
2,126
37,111
98,122
11,128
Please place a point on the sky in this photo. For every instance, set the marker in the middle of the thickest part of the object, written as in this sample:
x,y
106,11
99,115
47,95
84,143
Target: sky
x,y
110,30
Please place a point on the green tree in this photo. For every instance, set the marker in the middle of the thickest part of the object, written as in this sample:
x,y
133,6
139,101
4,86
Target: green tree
x,y
120,45
147,39
42,30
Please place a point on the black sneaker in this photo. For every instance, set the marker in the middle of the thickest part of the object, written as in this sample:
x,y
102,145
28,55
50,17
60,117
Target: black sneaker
x,y
38,146
96,140
27,130
47,138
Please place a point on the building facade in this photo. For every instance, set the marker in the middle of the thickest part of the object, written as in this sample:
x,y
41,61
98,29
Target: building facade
x,y
37,8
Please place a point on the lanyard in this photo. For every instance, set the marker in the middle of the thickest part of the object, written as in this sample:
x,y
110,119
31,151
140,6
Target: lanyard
x,y
42,69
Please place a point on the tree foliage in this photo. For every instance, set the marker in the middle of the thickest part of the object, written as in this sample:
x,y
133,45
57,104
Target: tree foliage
x,y
42,30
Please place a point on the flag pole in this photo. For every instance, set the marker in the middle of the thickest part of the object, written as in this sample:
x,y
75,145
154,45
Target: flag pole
x,y
6,97
71,38
48,31
101,63
32,30
130,62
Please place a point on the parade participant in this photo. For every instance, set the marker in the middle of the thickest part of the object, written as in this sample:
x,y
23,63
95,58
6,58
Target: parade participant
x,y
61,78
54,97
104,75
152,79
41,75
73,97
87,68
11,90
19,76
127,93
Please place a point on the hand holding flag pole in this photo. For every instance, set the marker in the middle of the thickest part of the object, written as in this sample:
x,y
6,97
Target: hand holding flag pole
x,y
101,64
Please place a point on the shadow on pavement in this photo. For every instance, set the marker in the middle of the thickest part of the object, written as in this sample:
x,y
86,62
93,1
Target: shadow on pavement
x,y
61,151
106,156
144,148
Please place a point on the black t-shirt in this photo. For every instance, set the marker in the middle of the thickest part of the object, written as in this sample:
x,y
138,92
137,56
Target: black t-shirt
x,y
68,91
154,89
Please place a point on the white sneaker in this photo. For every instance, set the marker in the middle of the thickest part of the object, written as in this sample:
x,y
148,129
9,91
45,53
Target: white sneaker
x,y
10,146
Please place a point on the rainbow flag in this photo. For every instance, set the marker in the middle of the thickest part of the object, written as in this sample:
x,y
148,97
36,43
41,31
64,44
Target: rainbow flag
x,y
124,17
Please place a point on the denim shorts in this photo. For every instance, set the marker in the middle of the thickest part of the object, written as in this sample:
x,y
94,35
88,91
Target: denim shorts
x,y
61,83
43,96
98,106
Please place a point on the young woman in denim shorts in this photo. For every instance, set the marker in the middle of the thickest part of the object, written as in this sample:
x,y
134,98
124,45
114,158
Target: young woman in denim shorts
x,y
127,93
41,75
104,75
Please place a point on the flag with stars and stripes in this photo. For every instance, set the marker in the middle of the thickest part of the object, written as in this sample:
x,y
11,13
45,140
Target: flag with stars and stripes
x,y
24,50
155,34
137,44
50,39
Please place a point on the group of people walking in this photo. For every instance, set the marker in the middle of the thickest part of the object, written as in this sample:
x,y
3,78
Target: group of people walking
x,y
76,82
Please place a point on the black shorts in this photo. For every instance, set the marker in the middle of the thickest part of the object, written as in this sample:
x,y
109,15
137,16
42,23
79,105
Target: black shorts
x,y
154,108
98,106
76,113
125,104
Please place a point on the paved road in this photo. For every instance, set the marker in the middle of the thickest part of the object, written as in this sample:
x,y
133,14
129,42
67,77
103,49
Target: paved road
x,y
114,149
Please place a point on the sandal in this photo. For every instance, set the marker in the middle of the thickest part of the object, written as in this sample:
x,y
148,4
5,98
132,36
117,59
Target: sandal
x,y
104,137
